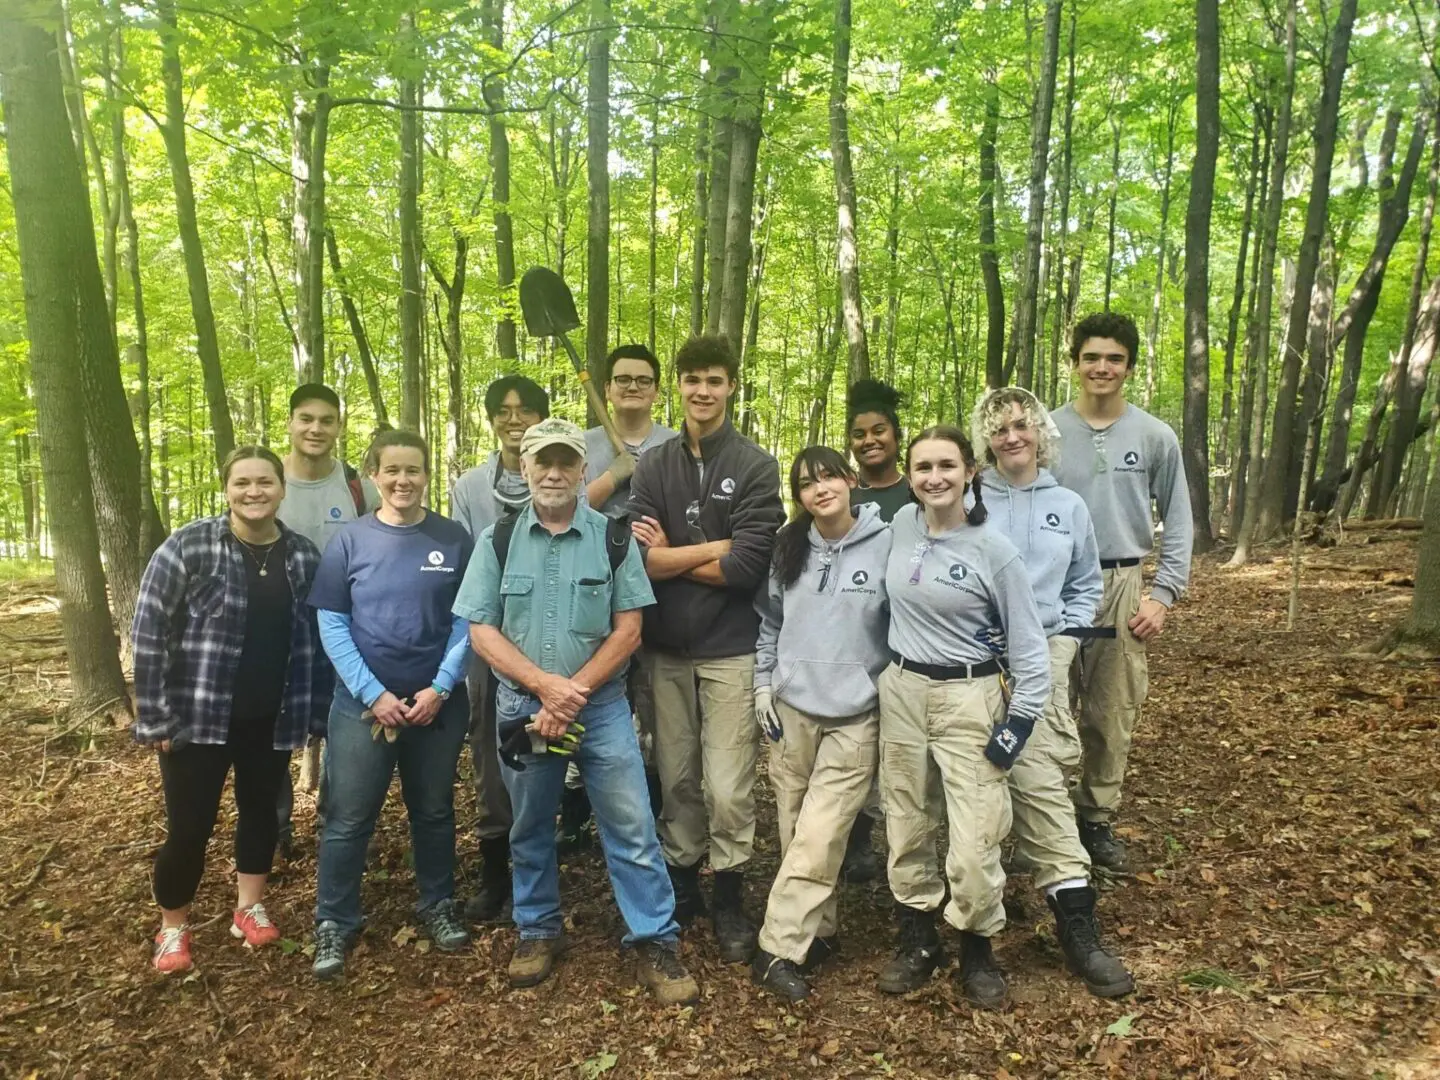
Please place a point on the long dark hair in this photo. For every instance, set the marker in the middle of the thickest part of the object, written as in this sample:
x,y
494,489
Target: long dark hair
x,y
792,546
946,433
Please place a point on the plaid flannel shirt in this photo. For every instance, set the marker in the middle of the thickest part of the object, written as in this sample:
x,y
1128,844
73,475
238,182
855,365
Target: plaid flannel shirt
x,y
189,630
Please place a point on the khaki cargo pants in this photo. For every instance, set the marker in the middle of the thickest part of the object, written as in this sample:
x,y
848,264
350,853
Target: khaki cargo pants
x,y
1114,681
821,773
1047,842
706,750
947,722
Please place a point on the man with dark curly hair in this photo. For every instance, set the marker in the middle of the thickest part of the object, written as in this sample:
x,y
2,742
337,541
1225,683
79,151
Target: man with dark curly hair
x,y
705,508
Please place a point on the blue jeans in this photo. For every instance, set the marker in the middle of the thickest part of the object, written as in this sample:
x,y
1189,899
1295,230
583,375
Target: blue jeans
x,y
614,773
360,769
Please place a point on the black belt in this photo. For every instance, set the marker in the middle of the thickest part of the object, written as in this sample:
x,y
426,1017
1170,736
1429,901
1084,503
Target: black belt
x,y
946,672
1083,632
1116,564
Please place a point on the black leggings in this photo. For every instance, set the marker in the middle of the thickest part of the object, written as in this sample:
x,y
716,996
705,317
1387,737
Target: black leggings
x,y
194,777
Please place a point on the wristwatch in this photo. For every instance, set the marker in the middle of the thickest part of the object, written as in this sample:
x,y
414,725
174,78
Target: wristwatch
x,y
443,695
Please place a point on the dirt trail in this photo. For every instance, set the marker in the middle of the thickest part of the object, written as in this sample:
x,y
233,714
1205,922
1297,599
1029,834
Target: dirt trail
x,y
1284,804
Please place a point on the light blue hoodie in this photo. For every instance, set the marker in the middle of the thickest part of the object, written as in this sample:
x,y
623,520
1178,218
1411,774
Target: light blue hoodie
x,y
822,639
1052,530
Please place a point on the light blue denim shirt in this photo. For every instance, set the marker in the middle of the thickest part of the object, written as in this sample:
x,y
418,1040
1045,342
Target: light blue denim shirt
x,y
556,600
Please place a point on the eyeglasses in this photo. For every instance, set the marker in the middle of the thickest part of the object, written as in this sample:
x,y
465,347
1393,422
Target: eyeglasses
x,y
640,382
521,413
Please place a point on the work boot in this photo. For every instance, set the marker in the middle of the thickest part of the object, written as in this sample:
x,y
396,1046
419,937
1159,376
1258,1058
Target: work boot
x,y
861,864
980,977
778,975
822,950
534,960
444,928
918,956
734,932
574,834
689,904
492,903
1079,933
659,970
1105,848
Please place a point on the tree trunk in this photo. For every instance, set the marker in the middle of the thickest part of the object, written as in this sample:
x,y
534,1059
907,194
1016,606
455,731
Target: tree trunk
x,y
1114,198
1237,301
1283,444
52,219
722,103
1152,333
1360,308
851,302
702,213
597,164
989,257
1249,507
492,21
412,309
892,277
1317,371
453,344
1196,425
1022,342
207,342
1423,624
651,293
357,330
1062,226
739,217
1414,370
310,133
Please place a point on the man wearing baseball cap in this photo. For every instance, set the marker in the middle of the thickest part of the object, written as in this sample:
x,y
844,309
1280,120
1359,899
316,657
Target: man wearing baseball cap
x,y
556,617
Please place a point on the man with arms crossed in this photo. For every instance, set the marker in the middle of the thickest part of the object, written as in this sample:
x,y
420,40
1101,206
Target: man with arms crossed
x,y
706,507
1119,459
321,495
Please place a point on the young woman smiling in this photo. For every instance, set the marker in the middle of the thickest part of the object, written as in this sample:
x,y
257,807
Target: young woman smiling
x,y
228,674
384,592
959,603
821,647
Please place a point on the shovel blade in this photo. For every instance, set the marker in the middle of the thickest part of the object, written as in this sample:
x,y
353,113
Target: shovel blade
x,y
546,303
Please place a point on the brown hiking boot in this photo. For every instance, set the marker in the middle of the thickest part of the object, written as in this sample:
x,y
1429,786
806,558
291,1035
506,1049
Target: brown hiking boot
x,y
659,970
534,960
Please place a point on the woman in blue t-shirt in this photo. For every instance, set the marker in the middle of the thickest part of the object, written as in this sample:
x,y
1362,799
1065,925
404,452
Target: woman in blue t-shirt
x,y
384,591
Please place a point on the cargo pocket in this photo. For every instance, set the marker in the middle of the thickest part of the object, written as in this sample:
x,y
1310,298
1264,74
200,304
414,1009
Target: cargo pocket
x,y
515,597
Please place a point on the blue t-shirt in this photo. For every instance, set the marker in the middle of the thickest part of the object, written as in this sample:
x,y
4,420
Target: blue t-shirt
x,y
397,583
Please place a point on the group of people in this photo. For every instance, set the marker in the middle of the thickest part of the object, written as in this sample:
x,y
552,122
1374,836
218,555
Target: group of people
x,y
619,617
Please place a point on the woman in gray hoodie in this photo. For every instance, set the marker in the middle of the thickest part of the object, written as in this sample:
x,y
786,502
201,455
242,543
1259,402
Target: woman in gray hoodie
x,y
820,650
1051,528
959,602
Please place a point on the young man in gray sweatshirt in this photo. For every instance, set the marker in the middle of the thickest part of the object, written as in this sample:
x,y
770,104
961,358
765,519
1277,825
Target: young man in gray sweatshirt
x,y
1120,459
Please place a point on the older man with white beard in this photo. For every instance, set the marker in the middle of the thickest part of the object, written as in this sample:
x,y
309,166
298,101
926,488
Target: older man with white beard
x,y
557,618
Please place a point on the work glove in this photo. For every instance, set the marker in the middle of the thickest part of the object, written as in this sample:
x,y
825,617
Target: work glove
x,y
516,738
766,716
1007,739
622,468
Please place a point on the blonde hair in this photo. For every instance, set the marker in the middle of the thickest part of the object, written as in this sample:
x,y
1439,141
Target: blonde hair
x,y
993,413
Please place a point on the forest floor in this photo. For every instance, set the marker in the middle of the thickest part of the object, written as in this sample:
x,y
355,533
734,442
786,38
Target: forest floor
x,y
1282,804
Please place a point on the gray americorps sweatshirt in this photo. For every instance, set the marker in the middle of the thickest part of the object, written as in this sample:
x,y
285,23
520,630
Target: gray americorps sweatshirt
x,y
822,640
1051,528
963,597
1118,470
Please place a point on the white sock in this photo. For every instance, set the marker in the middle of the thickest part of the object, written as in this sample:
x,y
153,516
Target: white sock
x,y
1068,883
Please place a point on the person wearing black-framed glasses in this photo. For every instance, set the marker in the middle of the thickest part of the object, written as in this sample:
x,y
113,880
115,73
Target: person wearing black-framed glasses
x,y
632,381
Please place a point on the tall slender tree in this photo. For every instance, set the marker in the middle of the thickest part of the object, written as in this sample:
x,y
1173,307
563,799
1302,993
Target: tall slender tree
x,y
851,304
597,161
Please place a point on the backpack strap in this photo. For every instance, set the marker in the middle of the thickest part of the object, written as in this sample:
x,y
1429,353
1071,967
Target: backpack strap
x,y
617,541
504,530
357,490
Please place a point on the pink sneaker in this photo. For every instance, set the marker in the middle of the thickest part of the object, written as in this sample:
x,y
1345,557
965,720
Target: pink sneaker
x,y
172,949
254,926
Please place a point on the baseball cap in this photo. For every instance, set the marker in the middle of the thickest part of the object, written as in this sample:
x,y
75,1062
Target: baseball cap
x,y
553,432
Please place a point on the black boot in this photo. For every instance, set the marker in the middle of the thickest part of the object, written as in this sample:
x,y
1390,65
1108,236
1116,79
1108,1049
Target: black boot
x,y
822,950
779,976
689,904
1079,933
492,903
734,932
861,863
1105,848
918,956
980,977
574,834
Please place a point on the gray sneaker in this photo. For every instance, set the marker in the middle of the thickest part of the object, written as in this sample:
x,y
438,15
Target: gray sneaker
x,y
331,944
444,928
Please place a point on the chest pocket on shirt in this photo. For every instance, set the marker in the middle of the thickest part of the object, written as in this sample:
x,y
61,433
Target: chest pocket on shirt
x,y
515,595
205,599
590,606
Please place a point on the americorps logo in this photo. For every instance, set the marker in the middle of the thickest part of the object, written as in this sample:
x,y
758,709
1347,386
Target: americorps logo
x,y
436,559
1052,520
958,572
334,513
1132,458
728,485
860,577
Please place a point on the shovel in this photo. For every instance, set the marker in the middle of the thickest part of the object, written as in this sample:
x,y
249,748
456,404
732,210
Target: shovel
x,y
549,311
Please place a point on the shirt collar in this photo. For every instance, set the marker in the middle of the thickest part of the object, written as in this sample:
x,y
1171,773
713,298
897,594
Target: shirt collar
x,y
529,522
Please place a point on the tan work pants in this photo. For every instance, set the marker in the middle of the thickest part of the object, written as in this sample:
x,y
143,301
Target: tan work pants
x,y
1047,841
821,774
947,722
1114,681
706,750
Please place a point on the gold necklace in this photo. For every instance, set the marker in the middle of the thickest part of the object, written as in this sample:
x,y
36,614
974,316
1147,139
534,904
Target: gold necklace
x,y
270,550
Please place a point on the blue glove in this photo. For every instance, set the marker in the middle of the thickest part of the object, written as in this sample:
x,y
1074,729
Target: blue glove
x,y
1007,739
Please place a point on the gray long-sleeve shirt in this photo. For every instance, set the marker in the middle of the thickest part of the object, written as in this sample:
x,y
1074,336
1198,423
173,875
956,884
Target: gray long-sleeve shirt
x,y
963,597
1119,470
